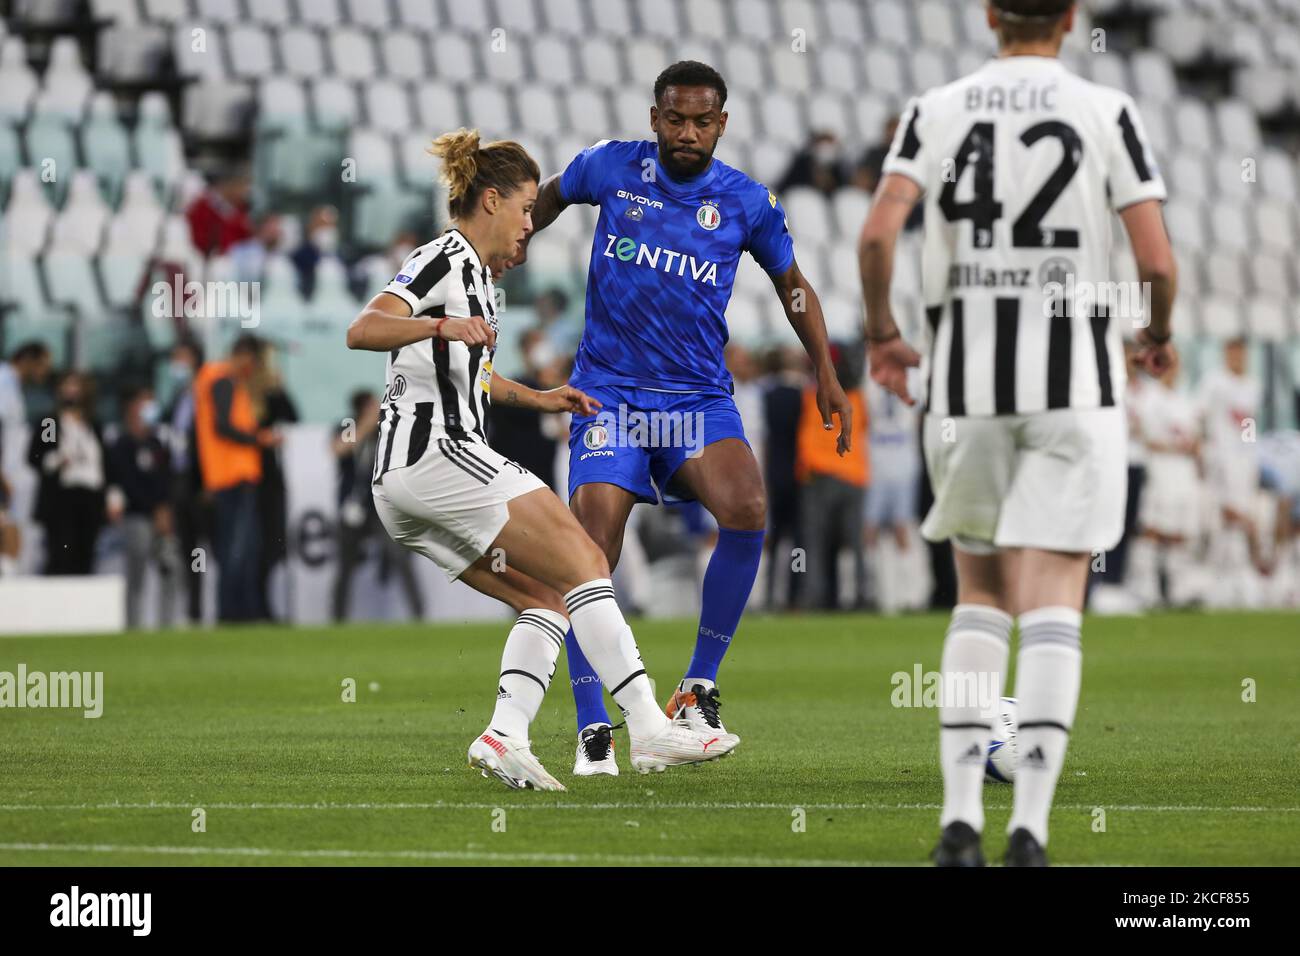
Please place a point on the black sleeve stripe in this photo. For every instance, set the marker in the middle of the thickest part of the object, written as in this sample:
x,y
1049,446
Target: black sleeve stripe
x,y
1134,146
911,142
430,275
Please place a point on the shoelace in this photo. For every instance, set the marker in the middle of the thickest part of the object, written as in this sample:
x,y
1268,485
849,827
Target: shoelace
x,y
708,704
598,743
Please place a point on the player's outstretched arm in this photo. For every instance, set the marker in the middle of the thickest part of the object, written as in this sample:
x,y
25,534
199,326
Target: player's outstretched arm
x,y
804,311
386,323
549,205
1158,272
566,398
890,356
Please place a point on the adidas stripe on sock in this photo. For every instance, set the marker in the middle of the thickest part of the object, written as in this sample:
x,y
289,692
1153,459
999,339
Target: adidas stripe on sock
x,y
1048,672
972,669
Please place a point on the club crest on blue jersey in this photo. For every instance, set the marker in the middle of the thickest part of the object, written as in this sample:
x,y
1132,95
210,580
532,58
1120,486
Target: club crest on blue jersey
x,y
708,216
635,213
597,436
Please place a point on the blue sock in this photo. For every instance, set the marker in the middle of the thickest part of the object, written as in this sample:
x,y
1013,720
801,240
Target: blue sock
x,y
727,583
588,692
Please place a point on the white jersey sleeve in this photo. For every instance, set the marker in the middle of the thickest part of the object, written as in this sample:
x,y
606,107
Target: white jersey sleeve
x,y
1132,172
423,280
908,154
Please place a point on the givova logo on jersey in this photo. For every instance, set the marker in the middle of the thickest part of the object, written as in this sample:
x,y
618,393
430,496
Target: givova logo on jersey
x,y
677,263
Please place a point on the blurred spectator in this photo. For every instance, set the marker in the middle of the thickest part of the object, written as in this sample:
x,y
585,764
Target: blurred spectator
x,y
249,255
321,240
891,494
139,476
867,173
67,452
551,313
1113,598
820,164
273,408
28,365
230,447
191,504
354,447
782,404
747,392
832,489
526,435
219,216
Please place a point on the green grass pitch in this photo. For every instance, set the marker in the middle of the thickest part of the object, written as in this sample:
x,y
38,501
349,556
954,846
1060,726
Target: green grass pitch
x,y
250,726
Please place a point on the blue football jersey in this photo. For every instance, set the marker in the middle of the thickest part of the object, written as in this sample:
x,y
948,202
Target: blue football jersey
x,y
663,261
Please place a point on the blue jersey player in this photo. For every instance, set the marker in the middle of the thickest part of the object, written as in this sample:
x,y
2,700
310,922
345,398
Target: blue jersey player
x,y
673,225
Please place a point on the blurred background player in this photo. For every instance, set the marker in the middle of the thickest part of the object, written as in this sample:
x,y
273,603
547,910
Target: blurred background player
x,y
1021,164
1164,560
673,224
891,496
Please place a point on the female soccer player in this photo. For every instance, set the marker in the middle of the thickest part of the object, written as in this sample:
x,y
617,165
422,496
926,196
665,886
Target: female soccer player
x,y
443,492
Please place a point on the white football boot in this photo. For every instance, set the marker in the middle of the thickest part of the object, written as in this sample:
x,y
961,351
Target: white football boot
x,y
595,752
511,762
697,706
676,744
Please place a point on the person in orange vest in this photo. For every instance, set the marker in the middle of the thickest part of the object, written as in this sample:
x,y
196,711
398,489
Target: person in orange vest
x,y
831,489
230,447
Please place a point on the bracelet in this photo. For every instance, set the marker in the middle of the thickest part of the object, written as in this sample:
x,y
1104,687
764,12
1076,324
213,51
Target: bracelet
x,y
886,338
437,327
1156,339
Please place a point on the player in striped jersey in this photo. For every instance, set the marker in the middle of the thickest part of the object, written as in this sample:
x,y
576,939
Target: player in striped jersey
x,y
443,492
1021,165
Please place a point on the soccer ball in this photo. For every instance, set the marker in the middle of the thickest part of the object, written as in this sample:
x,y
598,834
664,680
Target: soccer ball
x,y
1001,763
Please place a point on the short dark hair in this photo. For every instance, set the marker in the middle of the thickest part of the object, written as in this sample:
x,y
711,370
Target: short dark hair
x,y
1029,21
247,344
133,393
359,399
691,73
29,351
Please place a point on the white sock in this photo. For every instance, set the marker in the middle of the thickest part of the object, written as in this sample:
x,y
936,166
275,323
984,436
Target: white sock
x,y
609,646
527,666
1047,692
973,666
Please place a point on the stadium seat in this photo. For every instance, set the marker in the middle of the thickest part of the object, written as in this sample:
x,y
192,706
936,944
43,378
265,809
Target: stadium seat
x,y
791,68
27,314
132,52
27,216
1231,229
1271,275
219,11
886,72
352,53
837,67
165,11
454,58
11,159
745,67
53,150
419,15
783,120
1225,275
121,271
438,107
252,52
106,146
71,282
376,163
612,18
199,50
601,61
320,13
388,106
491,111
588,112
538,109
891,23
401,55
417,165
217,110
368,14
334,104
139,218
156,144
553,62
1153,78
18,84
522,15
80,225
850,207
301,52
645,57
67,85
936,25
828,110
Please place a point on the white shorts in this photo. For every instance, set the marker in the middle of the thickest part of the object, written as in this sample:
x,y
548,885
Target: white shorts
x,y
1171,501
1053,480
452,503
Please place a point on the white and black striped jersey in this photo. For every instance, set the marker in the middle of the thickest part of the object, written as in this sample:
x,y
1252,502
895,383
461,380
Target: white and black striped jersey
x,y
1022,163
437,392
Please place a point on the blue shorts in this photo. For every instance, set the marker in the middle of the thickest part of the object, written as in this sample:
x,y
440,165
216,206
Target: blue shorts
x,y
640,437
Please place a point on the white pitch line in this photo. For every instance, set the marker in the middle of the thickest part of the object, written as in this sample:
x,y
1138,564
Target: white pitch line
x,y
460,856
682,805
